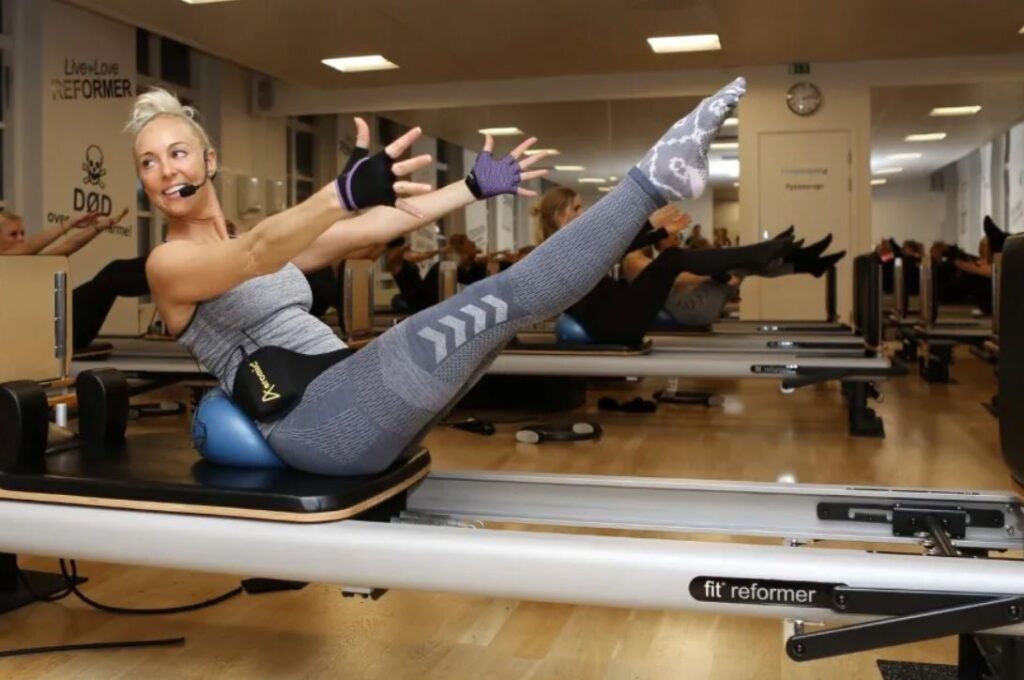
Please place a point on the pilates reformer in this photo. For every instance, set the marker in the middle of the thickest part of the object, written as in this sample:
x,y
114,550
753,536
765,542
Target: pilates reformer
x,y
831,324
149,500
803,337
906,310
167,362
932,340
857,372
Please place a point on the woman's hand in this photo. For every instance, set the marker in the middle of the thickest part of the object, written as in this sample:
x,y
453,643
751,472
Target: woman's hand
x,y
82,221
373,180
102,222
491,177
678,224
664,215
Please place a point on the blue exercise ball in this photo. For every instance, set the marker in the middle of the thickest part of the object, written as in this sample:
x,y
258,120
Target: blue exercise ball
x,y
570,331
224,434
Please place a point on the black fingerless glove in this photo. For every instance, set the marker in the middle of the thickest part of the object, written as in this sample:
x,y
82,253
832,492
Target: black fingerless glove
x,y
368,182
358,154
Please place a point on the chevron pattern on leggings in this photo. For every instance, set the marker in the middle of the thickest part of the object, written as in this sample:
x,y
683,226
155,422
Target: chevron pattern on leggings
x,y
451,332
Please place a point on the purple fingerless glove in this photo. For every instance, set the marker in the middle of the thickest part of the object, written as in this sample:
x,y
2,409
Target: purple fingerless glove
x,y
491,177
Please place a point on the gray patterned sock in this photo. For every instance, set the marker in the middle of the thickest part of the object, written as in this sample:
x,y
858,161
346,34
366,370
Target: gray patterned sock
x,y
677,166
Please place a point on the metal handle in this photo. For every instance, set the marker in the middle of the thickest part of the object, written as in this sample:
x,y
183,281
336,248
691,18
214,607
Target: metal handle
x,y
60,321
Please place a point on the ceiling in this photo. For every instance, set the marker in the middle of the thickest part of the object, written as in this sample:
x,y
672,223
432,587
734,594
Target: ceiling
x,y
604,137
900,111
608,137
456,40
452,40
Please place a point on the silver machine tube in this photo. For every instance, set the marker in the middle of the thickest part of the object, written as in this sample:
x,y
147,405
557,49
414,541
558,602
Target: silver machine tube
x,y
60,330
552,567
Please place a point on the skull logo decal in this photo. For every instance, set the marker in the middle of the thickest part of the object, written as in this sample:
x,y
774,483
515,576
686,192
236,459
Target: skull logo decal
x,y
93,166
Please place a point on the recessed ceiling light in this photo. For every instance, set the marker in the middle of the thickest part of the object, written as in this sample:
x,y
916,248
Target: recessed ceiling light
x,y
203,2
605,190
877,182
888,171
613,178
1021,31
534,152
903,156
926,137
724,168
570,168
369,62
736,184
725,145
955,110
729,122
501,131
592,180
685,43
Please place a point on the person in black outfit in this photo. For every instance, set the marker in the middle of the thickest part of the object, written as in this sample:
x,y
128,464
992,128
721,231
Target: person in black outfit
x,y
420,293
325,284
962,278
622,312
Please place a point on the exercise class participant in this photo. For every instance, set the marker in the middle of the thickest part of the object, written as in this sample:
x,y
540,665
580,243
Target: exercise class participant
x,y
623,311
235,300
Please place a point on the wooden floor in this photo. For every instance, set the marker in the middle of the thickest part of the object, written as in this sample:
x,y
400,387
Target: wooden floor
x,y
938,436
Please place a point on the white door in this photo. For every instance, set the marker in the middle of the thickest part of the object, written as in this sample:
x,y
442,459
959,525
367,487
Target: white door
x,y
804,181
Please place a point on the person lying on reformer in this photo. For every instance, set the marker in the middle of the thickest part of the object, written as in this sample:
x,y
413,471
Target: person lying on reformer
x,y
241,305
697,302
692,285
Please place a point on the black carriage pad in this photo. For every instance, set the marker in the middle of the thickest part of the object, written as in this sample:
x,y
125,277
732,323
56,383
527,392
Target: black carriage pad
x,y
161,472
1011,356
521,346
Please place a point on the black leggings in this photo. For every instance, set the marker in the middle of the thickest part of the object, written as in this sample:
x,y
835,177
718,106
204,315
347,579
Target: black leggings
x,y
623,314
418,293
91,302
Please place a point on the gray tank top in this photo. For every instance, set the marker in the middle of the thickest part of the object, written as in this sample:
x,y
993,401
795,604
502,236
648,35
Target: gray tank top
x,y
268,310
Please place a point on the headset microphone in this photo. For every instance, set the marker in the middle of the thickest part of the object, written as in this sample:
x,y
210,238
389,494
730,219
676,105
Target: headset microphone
x,y
190,189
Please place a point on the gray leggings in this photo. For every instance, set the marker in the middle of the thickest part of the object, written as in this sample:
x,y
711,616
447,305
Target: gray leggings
x,y
360,414
699,305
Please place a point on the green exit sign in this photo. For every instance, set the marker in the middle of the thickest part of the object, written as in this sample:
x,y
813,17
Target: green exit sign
x,y
800,68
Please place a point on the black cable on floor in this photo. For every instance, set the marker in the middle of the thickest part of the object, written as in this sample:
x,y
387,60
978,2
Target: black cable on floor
x,y
71,587
72,577
168,642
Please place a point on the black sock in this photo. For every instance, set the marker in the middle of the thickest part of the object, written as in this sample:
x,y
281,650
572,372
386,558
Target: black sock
x,y
804,259
816,249
785,234
819,266
996,236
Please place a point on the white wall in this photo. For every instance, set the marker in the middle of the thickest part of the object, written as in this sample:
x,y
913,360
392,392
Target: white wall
x,y
1015,180
89,71
702,212
910,210
250,146
764,116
